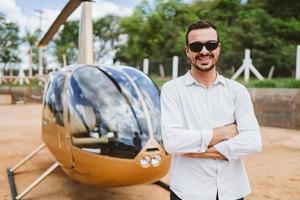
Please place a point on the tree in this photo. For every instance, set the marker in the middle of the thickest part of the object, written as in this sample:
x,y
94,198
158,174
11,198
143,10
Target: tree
x,y
259,26
270,29
31,39
9,42
225,14
271,38
108,35
279,9
156,32
66,42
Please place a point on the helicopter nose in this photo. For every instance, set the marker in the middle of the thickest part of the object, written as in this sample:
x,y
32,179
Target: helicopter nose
x,y
156,158
152,155
153,160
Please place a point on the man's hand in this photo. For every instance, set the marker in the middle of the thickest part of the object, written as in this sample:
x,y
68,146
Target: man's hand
x,y
223,133
211,153
219,134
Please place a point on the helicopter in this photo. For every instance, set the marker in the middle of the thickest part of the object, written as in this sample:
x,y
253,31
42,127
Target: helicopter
x,y
101,123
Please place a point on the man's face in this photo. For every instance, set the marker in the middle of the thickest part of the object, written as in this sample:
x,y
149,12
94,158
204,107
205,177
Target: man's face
x,y
203,60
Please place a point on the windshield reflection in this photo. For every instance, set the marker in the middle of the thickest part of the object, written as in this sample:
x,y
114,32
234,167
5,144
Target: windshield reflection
x,y
151,95
102,118
53,97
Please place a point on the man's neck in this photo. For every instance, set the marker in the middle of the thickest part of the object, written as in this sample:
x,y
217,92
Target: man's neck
x,y
205,78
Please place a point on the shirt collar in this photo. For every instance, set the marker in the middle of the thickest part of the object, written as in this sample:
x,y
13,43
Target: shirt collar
x,y
189,79
220,79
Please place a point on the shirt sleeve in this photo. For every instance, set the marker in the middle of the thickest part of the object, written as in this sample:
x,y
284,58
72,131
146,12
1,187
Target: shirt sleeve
x,y
177,139
248,141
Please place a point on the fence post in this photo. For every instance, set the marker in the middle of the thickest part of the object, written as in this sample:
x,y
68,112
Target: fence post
x,y
298,63
146,66
270,75
175,67
21,75
161,71
247,65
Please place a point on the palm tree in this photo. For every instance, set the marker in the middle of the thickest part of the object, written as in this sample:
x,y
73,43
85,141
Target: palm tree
x,y
32,40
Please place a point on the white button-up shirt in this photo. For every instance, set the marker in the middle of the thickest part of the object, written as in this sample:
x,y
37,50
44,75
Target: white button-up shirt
x,y
189,113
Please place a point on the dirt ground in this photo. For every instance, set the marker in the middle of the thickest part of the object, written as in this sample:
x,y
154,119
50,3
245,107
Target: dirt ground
x,y
274,174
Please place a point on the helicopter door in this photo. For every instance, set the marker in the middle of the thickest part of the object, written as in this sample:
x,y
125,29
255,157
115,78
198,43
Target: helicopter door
x,y
55,133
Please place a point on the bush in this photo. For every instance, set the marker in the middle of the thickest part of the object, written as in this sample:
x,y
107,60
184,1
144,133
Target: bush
x,y
273,83
263,84
253,83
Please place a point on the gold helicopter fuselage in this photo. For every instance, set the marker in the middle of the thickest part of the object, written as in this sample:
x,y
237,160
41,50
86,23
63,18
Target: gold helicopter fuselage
x,y
102,124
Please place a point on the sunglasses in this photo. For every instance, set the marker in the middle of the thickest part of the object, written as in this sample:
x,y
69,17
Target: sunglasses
x,y
198,46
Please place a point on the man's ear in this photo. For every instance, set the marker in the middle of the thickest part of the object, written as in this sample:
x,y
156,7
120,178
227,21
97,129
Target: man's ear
x,y
220,47
186,49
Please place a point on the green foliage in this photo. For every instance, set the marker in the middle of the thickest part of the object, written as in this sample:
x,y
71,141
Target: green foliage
x,y
9,41
279,9
158,81
263,84
273,83
270,29
34,84
253,83
32,39
107,35
67,42
155,31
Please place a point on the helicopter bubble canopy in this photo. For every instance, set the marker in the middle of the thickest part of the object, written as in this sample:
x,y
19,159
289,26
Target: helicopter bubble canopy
x,y
112,111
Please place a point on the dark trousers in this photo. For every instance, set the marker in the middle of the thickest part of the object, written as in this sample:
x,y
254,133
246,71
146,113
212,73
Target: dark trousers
x,y
173,196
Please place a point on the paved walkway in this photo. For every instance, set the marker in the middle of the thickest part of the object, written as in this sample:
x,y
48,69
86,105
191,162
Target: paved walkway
x,y
274,174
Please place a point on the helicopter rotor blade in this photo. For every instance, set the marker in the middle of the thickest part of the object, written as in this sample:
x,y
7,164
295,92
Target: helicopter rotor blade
x,y
62,17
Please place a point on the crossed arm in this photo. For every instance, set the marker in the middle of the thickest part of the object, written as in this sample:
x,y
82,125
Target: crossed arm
x,y
211,153
225,143
218,135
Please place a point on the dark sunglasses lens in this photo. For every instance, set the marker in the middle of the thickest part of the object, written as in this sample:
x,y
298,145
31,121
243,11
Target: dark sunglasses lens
x,y
196,46
211,45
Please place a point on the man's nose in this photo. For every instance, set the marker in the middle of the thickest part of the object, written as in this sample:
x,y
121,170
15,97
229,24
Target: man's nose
x,y
204,50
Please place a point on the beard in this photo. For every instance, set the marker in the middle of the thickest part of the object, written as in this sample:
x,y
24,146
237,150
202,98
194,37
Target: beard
x,y
203,69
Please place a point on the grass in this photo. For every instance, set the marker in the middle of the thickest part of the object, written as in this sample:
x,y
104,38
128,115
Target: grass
x,y
34,83
273,83
253,83
159,81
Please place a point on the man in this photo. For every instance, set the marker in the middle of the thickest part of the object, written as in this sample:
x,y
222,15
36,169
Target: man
x,y
208,125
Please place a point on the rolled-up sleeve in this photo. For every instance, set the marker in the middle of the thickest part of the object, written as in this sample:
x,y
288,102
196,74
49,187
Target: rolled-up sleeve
x,y
177,139
248,141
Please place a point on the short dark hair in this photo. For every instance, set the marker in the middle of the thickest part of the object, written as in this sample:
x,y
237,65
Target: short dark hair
x,y
202,24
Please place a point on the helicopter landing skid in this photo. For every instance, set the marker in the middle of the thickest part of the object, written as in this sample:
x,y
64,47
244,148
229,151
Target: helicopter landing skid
x,y
163,185
10,174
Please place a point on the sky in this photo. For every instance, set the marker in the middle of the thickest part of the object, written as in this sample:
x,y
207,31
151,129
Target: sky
x,y
25,14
